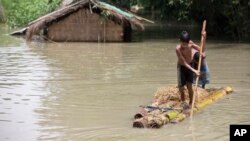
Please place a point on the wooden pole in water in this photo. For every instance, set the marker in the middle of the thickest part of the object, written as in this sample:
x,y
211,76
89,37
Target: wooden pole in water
x,y
203,40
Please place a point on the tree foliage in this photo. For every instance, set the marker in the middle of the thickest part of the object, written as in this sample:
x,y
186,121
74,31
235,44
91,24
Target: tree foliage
x,y
121,3
20,12
1,12
225,17
230,18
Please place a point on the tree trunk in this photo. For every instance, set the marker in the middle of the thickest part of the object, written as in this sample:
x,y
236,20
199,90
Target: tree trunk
x,y
152,12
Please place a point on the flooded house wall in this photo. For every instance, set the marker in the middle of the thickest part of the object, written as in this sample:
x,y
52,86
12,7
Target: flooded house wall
x,y
85,26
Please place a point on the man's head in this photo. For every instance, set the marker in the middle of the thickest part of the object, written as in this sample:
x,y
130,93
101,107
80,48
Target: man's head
x,y
184,37
196,57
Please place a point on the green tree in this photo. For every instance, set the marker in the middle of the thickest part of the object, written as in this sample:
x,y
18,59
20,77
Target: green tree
x,y
167,9
228,18
225,17
120,3
1,12
19,13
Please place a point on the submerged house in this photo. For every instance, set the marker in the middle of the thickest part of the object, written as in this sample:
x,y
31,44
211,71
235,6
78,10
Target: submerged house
x,y
85,20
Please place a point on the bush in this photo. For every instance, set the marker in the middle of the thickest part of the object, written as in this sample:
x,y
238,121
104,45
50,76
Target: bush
x,y
21,12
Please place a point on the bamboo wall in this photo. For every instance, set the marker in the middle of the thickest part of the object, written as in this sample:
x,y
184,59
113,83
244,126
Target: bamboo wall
x,y
85,26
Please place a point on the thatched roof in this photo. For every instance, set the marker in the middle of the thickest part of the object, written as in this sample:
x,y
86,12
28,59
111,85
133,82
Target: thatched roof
x,y
111,12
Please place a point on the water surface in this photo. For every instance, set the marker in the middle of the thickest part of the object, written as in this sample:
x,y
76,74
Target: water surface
x,y
90,91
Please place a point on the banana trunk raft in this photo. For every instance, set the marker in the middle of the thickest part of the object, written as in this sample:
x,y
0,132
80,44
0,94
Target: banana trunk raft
x,y
167,108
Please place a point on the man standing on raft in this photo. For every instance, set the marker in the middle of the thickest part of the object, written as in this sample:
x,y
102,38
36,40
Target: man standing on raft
x,y
204,70
185,52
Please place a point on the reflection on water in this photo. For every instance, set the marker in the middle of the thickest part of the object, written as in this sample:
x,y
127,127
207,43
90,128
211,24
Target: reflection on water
x,y
89,91
22,75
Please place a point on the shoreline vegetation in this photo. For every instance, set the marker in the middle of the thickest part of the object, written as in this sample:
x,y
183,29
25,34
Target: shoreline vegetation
x,y
19,13
1,13
225,18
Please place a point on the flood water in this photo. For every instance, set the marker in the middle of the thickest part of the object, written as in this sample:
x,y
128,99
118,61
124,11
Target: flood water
x,y
90,91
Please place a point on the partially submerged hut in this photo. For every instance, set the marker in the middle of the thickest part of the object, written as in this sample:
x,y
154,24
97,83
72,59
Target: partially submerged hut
x,y
85,20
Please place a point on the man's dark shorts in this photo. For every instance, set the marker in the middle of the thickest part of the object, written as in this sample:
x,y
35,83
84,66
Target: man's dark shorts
x,y
185,75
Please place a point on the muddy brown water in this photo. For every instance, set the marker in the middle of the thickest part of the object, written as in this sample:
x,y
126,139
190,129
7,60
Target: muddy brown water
x,y
90,91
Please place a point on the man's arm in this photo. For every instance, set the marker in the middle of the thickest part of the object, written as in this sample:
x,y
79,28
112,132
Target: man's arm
x,y
195,46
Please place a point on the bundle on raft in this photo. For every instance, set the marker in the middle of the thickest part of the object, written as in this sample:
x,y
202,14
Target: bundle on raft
x,y
167,108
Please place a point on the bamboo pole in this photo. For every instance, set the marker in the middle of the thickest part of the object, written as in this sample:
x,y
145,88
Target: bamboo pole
x,y
199,66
